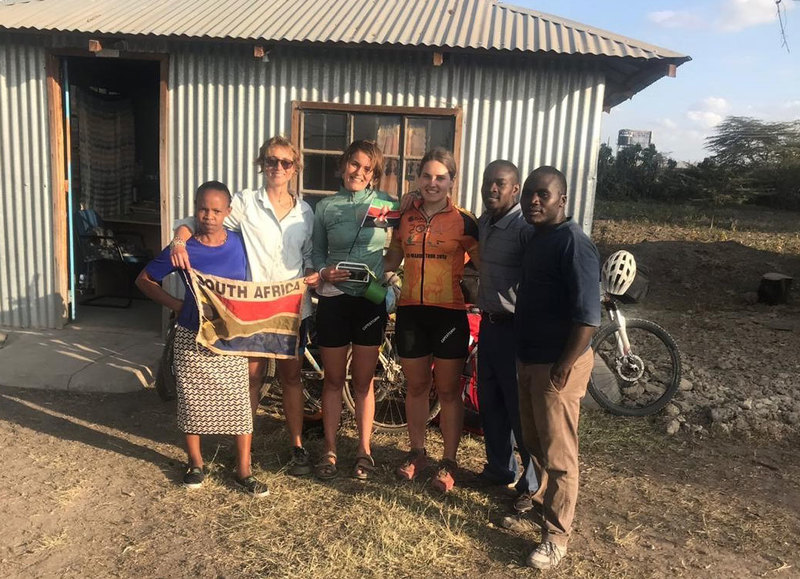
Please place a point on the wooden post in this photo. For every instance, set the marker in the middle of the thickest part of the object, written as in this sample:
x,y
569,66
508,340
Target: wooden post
x,y
774,288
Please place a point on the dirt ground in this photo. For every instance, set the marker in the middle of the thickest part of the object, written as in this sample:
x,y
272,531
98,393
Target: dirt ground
x,y
89,483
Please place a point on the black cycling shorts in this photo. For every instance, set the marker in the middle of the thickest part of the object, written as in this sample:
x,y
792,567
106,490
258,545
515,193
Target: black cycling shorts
x,y
425,330
343,320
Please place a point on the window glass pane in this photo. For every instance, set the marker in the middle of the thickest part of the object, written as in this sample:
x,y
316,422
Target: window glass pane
x,y
383,129
410,175
325,131
390,180
423,134
319,173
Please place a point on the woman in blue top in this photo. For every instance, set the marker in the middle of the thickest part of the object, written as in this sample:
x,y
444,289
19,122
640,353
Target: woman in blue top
x,y
346,319
213,391
276,226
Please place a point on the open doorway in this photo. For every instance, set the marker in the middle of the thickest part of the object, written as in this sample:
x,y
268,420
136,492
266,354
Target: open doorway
x,y
112,114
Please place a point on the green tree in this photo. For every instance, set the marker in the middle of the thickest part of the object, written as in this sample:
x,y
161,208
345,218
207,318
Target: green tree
x,y
748,142
755,161
635,173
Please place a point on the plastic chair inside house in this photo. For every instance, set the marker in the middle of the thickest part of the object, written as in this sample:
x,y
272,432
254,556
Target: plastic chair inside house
x,y
107,264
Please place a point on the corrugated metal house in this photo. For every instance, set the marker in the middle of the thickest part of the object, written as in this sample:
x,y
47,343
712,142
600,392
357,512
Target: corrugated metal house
x,y
125,106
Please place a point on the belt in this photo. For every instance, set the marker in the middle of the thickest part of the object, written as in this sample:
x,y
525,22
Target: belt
x,y
497,318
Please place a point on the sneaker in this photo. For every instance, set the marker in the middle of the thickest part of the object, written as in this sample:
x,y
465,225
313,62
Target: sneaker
x,y
523,503
415,462
546,556
299,463
194,477
443,481
252,486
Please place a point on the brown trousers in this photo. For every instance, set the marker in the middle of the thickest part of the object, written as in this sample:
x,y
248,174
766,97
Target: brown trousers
x,y
550,430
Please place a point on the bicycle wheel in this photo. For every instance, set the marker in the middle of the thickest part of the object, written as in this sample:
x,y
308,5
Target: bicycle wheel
x,y
312,389
469,392
390,390
165,376
644,381
312,392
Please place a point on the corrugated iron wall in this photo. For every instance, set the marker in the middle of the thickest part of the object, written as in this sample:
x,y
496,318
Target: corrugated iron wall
x,y
224,104
27,277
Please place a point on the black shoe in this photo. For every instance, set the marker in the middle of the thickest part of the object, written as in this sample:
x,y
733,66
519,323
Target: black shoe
x,y
194,477
252,486
523,503
483,480
299,464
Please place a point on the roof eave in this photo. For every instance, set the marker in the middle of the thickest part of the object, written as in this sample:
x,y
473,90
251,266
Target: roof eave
x,y
651,71
645,71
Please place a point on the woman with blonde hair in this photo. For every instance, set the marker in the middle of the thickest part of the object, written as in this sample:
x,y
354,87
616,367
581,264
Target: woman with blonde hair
x,y
276,226
432,330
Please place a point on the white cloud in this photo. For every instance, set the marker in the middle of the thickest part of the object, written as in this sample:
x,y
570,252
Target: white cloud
x,y
715,104
675,18
668,124
709,112
791,105
735,15
680,142
727,15
705,118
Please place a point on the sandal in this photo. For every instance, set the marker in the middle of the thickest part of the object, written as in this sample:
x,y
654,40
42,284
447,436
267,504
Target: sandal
x,y
444,481
365,466
326,469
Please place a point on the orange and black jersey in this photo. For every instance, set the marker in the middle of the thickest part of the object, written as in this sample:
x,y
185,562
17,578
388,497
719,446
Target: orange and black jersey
x,y
434,250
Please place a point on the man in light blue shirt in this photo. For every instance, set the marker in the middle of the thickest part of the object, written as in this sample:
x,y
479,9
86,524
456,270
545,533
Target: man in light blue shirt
x,y
503,235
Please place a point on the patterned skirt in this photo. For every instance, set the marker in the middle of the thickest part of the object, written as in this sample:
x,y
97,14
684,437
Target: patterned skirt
x,y
213,391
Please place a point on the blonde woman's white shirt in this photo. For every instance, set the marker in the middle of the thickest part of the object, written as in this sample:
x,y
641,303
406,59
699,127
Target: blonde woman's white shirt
x,y
277,249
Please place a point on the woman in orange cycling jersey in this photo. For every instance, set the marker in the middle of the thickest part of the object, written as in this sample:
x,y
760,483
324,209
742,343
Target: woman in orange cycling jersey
x,y
432,329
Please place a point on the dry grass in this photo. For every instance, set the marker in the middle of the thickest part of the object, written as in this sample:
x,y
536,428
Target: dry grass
x,y
625,223
346,527
650,506
634,513
50,542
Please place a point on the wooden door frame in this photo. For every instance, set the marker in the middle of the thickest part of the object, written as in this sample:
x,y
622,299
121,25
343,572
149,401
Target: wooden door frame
x,y
58,177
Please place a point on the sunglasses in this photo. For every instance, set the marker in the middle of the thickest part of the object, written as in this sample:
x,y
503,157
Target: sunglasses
x,y
272,162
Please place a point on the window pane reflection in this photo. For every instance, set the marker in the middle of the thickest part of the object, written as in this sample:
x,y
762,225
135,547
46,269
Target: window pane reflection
x,y
319,173
390,180
325,131
424,134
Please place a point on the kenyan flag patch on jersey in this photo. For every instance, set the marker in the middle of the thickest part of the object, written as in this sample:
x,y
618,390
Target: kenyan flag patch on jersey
x,y
385,212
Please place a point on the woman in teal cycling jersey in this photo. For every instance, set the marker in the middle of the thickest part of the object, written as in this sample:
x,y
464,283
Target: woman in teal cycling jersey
x,y
346,320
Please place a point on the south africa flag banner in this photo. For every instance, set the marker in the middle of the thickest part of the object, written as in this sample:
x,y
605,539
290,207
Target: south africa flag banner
x,y
382,209
247,318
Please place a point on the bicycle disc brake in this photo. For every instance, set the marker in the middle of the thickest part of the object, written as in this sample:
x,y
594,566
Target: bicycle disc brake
x,y
630,368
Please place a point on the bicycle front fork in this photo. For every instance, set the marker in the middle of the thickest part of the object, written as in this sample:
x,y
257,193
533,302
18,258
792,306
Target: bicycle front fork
x,y
618,319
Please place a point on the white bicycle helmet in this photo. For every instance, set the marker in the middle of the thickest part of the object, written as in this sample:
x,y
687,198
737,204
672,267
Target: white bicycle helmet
x,y
618,272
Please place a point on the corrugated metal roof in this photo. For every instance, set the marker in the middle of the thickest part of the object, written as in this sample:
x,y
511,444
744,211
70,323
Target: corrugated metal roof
x,y
454,24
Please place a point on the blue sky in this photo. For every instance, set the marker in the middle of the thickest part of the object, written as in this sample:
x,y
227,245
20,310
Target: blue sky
x,y
738,66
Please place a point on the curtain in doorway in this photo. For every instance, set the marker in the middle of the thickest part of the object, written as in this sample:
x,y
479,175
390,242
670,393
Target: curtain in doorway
x,y
107,153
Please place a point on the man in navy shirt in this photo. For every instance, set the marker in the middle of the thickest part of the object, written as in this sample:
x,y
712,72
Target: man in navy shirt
x,y
558,310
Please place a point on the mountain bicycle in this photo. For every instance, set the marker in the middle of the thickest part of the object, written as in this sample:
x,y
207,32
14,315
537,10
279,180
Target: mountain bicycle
x,y
390,384
311,374
637,364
